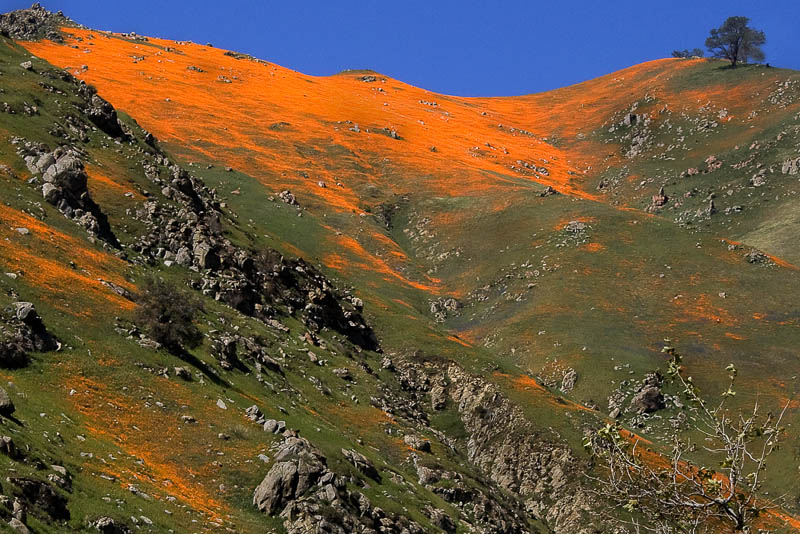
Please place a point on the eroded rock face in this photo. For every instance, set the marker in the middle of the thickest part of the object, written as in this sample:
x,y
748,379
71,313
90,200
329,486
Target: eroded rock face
x,y
101,113
503,444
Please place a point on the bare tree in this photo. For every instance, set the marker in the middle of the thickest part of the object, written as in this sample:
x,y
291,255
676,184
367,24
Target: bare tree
x,y
736,41
670,493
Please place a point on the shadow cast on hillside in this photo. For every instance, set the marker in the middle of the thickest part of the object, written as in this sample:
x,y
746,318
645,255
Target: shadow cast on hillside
x,y
190,359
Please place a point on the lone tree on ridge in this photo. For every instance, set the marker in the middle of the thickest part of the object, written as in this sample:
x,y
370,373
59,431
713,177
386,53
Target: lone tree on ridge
x,y
736,41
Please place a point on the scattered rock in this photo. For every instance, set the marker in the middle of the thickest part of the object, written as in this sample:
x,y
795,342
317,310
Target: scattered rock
x,y
757,257
288,197
342,373
575,227
254,413
182,372
108,525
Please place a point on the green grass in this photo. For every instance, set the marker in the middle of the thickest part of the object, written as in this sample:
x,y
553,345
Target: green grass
x,y
592,311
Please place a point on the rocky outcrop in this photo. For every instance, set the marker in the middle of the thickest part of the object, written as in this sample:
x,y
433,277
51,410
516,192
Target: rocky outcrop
x,y
41,497
298,466
101,113
362,463
64,185
23,331
33,23
502,443
311,498
261,284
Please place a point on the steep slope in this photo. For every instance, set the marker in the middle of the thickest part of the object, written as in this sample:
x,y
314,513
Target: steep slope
x,y
490,240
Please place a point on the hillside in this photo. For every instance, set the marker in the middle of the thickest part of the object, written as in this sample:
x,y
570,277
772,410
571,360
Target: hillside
x,y
414,304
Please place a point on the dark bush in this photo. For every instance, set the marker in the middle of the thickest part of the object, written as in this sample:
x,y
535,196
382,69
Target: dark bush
x,y
167,315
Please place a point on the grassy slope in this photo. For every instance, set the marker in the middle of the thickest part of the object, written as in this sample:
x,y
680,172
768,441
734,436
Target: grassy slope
x,y
115,425
463,219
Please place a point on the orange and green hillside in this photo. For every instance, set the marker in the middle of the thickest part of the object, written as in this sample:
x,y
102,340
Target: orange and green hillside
x,y
498,246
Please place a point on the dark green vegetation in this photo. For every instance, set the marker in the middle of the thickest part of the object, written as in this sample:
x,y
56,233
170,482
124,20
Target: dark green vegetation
x,y
736,41
468,397
168,316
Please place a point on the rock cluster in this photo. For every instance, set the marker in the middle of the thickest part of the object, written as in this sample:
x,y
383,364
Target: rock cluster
x,y
256,284
65,186
231,349
33,23
501,443
23,331
311,498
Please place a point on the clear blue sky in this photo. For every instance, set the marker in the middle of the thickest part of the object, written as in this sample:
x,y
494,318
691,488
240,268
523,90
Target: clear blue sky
x,y
462,47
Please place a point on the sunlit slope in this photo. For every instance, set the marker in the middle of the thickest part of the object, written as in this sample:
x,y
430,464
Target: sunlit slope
x,y
292,130
133,436
414,198
457,183
351,142
701,131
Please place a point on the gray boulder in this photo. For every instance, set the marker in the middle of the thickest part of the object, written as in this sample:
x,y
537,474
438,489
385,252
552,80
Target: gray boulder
x,y
362,463
51,193
7,407
277,488
18,526
298,467
9,448
649,399
417,443
205,257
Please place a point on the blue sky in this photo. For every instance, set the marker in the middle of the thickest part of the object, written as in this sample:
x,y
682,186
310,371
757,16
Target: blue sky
x,y
465,47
